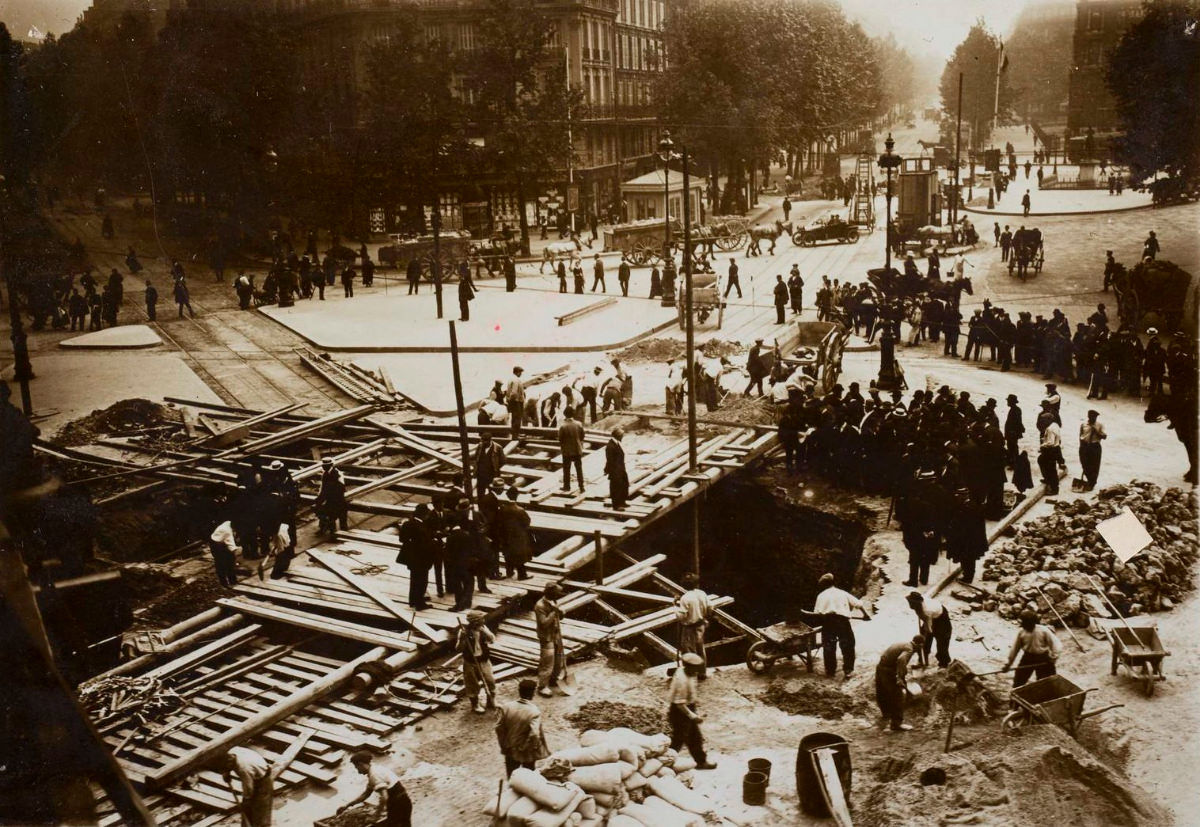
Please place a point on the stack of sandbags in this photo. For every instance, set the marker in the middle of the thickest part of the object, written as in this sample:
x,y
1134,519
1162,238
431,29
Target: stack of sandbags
x,y
617,775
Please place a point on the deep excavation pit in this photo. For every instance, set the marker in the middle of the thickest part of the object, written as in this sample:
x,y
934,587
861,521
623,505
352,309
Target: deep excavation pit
x,y
765,546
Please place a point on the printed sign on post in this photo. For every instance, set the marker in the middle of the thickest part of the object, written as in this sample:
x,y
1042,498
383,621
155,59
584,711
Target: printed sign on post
x,y
1125,534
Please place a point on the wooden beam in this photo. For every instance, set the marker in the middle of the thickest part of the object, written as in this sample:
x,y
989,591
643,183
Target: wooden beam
x,y
295,702
358,584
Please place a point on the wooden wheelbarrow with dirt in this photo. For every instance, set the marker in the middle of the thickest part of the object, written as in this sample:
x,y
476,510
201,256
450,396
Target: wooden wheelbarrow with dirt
x,y
1052,700
783,640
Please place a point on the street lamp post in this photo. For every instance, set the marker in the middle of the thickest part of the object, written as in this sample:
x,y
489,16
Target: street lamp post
x,y
666,195
888,380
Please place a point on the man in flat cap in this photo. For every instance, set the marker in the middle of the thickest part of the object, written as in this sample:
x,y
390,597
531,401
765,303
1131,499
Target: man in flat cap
x,y
681,711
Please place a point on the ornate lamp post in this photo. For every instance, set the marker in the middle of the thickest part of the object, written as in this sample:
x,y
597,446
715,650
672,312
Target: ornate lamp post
x,y
888,380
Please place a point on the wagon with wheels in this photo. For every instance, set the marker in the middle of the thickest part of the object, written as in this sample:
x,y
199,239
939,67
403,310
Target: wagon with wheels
x,y
1053,700
1028,253
641,242
726,233
1140,651
453,246
781,641
833,228
490,253
706,300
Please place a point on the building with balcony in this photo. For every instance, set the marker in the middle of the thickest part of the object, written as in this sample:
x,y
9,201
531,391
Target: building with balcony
x,y
1099,26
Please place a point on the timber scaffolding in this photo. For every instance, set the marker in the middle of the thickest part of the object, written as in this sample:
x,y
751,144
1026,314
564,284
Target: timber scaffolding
x,y
332,650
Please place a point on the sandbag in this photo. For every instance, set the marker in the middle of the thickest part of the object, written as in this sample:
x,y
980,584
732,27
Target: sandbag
x,y
668,815
592,822
621,820
522,807
674,793
543,817
507,799
591,737
611,802
684,762
587,808
547,794
650,767
589,756
599,778
664,772
627,769
634,781
668,757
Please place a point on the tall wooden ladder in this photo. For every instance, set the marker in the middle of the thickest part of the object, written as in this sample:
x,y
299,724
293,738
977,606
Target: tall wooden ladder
x,y
863,213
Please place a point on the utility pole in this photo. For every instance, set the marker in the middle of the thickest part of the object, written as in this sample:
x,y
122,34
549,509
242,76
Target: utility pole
x,y
690,346
957,156
570,143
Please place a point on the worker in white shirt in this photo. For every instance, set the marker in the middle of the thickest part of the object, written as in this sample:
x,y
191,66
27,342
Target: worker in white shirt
x,y
1050,457
588,385
673,388
933,623
492,412
836,607
1039,650
395,806
258,785
1091,434
514,398
693,609
223,544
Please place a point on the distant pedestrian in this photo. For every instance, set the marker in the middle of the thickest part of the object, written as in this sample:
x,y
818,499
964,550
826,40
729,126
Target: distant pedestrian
x,y
598,275
562,277
787,208
836,608
781,300
183,297
655,282
368,269
1091,434
614,468
243,285
623,275
510,276
151,302
796,289
1050,456
348,276
570,442
106,226
1025,202
1039,650
577,275
891,682
756,368
1150,247
412,273
1005,243
466,294
732,282
330,505
1014,429
996,233
519,730
77,308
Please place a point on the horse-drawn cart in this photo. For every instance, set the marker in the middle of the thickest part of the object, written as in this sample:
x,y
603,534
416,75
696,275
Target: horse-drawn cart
x,y
453,246
643,242
1028,252
706,300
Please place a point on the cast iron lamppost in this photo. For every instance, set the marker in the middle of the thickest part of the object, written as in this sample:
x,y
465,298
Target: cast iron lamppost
x,y
888,380
667,151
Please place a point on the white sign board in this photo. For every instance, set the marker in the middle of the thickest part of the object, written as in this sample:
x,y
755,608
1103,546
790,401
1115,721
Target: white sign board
x,y
1125,534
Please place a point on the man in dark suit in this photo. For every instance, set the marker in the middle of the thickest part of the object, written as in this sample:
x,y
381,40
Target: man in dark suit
x,y
614,468
781,299
1014,429
416,552
623,276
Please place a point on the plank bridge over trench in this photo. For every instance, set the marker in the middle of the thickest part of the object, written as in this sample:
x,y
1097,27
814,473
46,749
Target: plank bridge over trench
x,y
333,650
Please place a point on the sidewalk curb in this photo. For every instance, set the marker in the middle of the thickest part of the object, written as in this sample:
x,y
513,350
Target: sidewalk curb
x,y
986,211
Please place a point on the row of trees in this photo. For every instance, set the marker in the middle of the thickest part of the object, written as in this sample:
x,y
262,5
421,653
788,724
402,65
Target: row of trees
x,y
977,60
213,111
747,79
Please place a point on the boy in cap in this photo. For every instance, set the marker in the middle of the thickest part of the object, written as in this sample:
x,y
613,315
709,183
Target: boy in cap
x,y
681,711
475,643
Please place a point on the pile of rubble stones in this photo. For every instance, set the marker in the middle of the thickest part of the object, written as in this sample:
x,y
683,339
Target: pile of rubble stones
x,y
1056,553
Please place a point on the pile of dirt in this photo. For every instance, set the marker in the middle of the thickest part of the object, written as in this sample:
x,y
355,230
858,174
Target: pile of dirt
x,y
1057,553
198,594
128,417
1033,775
651,350
809,697
364,815
747,410
611,715
716,348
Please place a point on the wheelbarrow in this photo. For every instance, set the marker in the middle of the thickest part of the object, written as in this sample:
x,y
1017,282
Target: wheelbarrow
x,y
1140,651
1052,700
783,640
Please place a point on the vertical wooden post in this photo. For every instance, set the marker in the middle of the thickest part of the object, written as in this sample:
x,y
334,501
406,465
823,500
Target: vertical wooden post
x,y
599,557
462,416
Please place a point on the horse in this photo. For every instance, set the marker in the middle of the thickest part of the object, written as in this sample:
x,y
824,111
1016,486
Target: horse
x,y
1182,411
759,232
565,249
902,287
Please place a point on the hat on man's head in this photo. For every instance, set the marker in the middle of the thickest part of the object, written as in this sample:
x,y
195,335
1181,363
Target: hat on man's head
x,y
1012,397
692,659
1152,331
498,484
1051,386
327,461
518,369
475,616
276,465
826,580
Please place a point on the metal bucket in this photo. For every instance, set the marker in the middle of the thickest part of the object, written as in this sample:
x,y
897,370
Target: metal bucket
x,y
760,765
754,789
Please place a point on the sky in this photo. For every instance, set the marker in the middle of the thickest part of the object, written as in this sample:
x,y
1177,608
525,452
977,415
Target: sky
x,y
922,26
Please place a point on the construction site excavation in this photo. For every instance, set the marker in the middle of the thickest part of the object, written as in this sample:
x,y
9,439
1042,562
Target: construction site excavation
x,y
514,413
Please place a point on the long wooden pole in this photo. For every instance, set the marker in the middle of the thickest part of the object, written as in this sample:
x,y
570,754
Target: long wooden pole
x,y
256,724
957,153
178,645
462,416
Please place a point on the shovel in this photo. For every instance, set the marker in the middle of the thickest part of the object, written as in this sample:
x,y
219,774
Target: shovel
x,y
566,681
